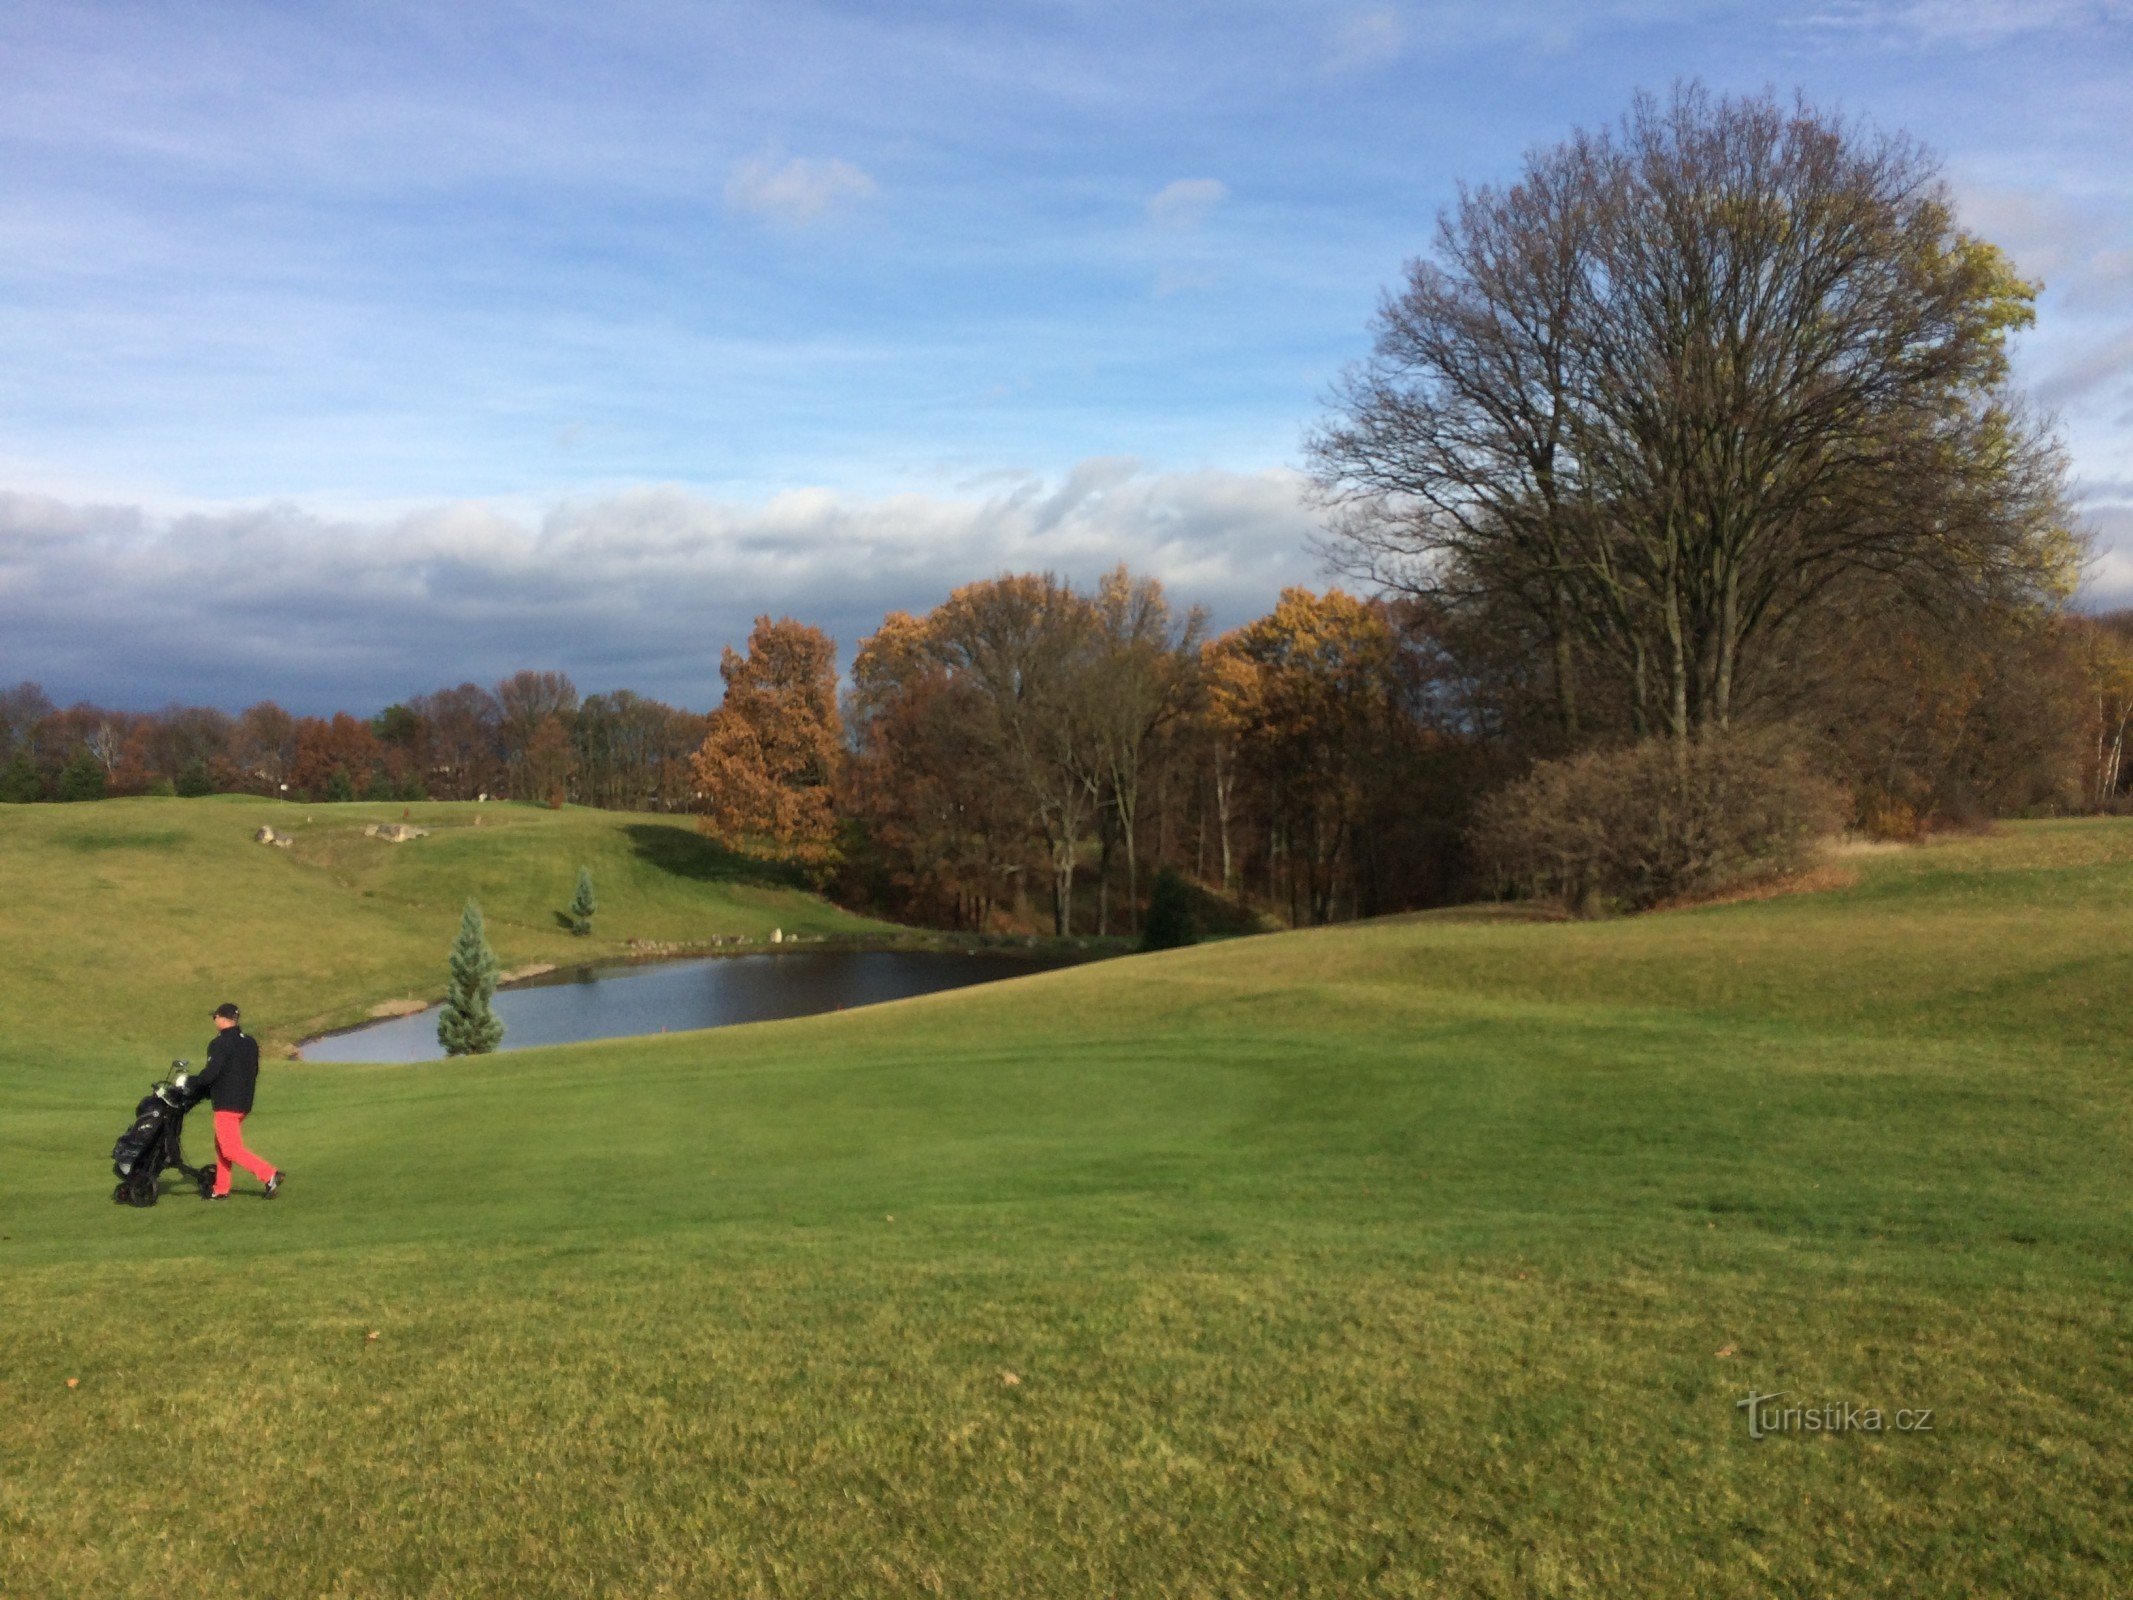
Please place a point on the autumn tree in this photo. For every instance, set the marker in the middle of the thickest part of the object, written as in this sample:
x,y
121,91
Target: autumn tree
x,y
524,703
1025,646
940,831
460,752
548,763
341,745
635,752
768,765
1142,678
22,708
1657,401
2102,649
1307,695
263,747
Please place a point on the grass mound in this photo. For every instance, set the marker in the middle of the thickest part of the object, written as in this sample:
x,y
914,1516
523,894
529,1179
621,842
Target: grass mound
x,y
1431,1256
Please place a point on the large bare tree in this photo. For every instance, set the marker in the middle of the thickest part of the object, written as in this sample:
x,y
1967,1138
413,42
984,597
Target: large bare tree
x,y
1655,400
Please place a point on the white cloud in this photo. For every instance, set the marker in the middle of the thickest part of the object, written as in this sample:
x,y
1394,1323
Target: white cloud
x,y
797,191
637,589
2109,581
1187,203
1365,39
2045,232
1972,23
2097,367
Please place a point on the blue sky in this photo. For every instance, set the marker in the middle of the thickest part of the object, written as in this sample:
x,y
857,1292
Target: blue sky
x,y
440,340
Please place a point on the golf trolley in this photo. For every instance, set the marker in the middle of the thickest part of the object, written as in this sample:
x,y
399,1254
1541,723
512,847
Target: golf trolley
x,y
155,1142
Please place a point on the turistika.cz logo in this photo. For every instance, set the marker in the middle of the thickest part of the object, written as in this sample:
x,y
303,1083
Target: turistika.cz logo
x,y
1767,1416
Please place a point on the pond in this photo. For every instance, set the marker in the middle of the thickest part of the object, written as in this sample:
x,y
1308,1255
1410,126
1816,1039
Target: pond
x,y
707,992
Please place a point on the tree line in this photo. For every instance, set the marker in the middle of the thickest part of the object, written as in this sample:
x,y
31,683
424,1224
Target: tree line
x,y
530,736
1030,753
1692,450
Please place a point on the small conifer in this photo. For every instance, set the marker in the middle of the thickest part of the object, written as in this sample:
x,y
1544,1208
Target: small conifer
x,y
582,904
466,1026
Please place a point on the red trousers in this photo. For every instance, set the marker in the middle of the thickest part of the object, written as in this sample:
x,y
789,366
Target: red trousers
x,y
229,1148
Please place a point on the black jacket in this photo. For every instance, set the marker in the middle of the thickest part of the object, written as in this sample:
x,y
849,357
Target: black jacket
x,y
232,1070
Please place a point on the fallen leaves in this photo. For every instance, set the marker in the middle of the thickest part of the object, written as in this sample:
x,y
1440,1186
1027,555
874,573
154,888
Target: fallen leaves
x,y
74,1383
1724,1350
1011,1379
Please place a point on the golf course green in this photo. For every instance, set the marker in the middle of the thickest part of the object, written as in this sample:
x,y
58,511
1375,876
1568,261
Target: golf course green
x,y
1428,1256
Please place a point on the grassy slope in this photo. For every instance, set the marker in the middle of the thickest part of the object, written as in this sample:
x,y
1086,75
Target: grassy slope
x,y
133,913
1386,1260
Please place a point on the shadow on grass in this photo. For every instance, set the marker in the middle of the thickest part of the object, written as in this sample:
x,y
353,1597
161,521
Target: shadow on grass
x,y
170,840
685,853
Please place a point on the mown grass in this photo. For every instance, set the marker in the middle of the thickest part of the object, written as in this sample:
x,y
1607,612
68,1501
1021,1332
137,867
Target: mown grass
x,y
1390,1260
130,911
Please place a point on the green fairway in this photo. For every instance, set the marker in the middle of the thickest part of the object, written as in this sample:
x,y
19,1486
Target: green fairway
x,y
1425,1257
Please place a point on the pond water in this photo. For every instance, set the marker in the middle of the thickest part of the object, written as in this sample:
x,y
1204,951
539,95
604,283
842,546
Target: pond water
x,y
709,992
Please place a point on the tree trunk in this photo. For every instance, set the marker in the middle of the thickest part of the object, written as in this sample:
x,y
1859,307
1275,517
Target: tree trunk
x,y
1566,687
1728,645
1105,834
1224,780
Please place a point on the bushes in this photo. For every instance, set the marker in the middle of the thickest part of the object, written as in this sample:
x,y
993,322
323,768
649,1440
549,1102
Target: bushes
x,y
1171,922
82,778
1627,827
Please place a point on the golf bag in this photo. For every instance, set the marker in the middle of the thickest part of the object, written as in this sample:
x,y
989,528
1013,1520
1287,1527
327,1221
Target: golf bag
x,y
155,1142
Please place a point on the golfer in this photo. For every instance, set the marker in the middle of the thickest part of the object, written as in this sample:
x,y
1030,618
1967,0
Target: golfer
x,y
231,1076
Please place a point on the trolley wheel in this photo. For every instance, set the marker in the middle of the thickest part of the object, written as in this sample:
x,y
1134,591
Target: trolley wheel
x,y
206,1181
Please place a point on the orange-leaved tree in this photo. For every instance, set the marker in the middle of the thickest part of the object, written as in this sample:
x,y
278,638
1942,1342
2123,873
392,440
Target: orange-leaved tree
x,y
767,771
1306,693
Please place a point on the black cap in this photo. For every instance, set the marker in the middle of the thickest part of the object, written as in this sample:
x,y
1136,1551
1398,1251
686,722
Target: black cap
x,y
227,1009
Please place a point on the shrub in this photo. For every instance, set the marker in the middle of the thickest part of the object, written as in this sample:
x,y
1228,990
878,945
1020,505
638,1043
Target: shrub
x,y
82,778
1170,920
1627,827
20,781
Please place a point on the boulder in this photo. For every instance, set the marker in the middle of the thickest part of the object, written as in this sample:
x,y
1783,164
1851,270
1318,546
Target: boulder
x,y
270,836
396,832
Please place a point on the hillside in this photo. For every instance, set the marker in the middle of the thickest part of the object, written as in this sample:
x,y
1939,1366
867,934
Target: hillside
x,y
1425,1256
131,916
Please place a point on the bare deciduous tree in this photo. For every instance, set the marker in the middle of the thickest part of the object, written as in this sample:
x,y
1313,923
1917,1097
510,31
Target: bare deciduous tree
x,y
1655,399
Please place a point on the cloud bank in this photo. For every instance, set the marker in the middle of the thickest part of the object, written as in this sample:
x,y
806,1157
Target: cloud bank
x,y
638,589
